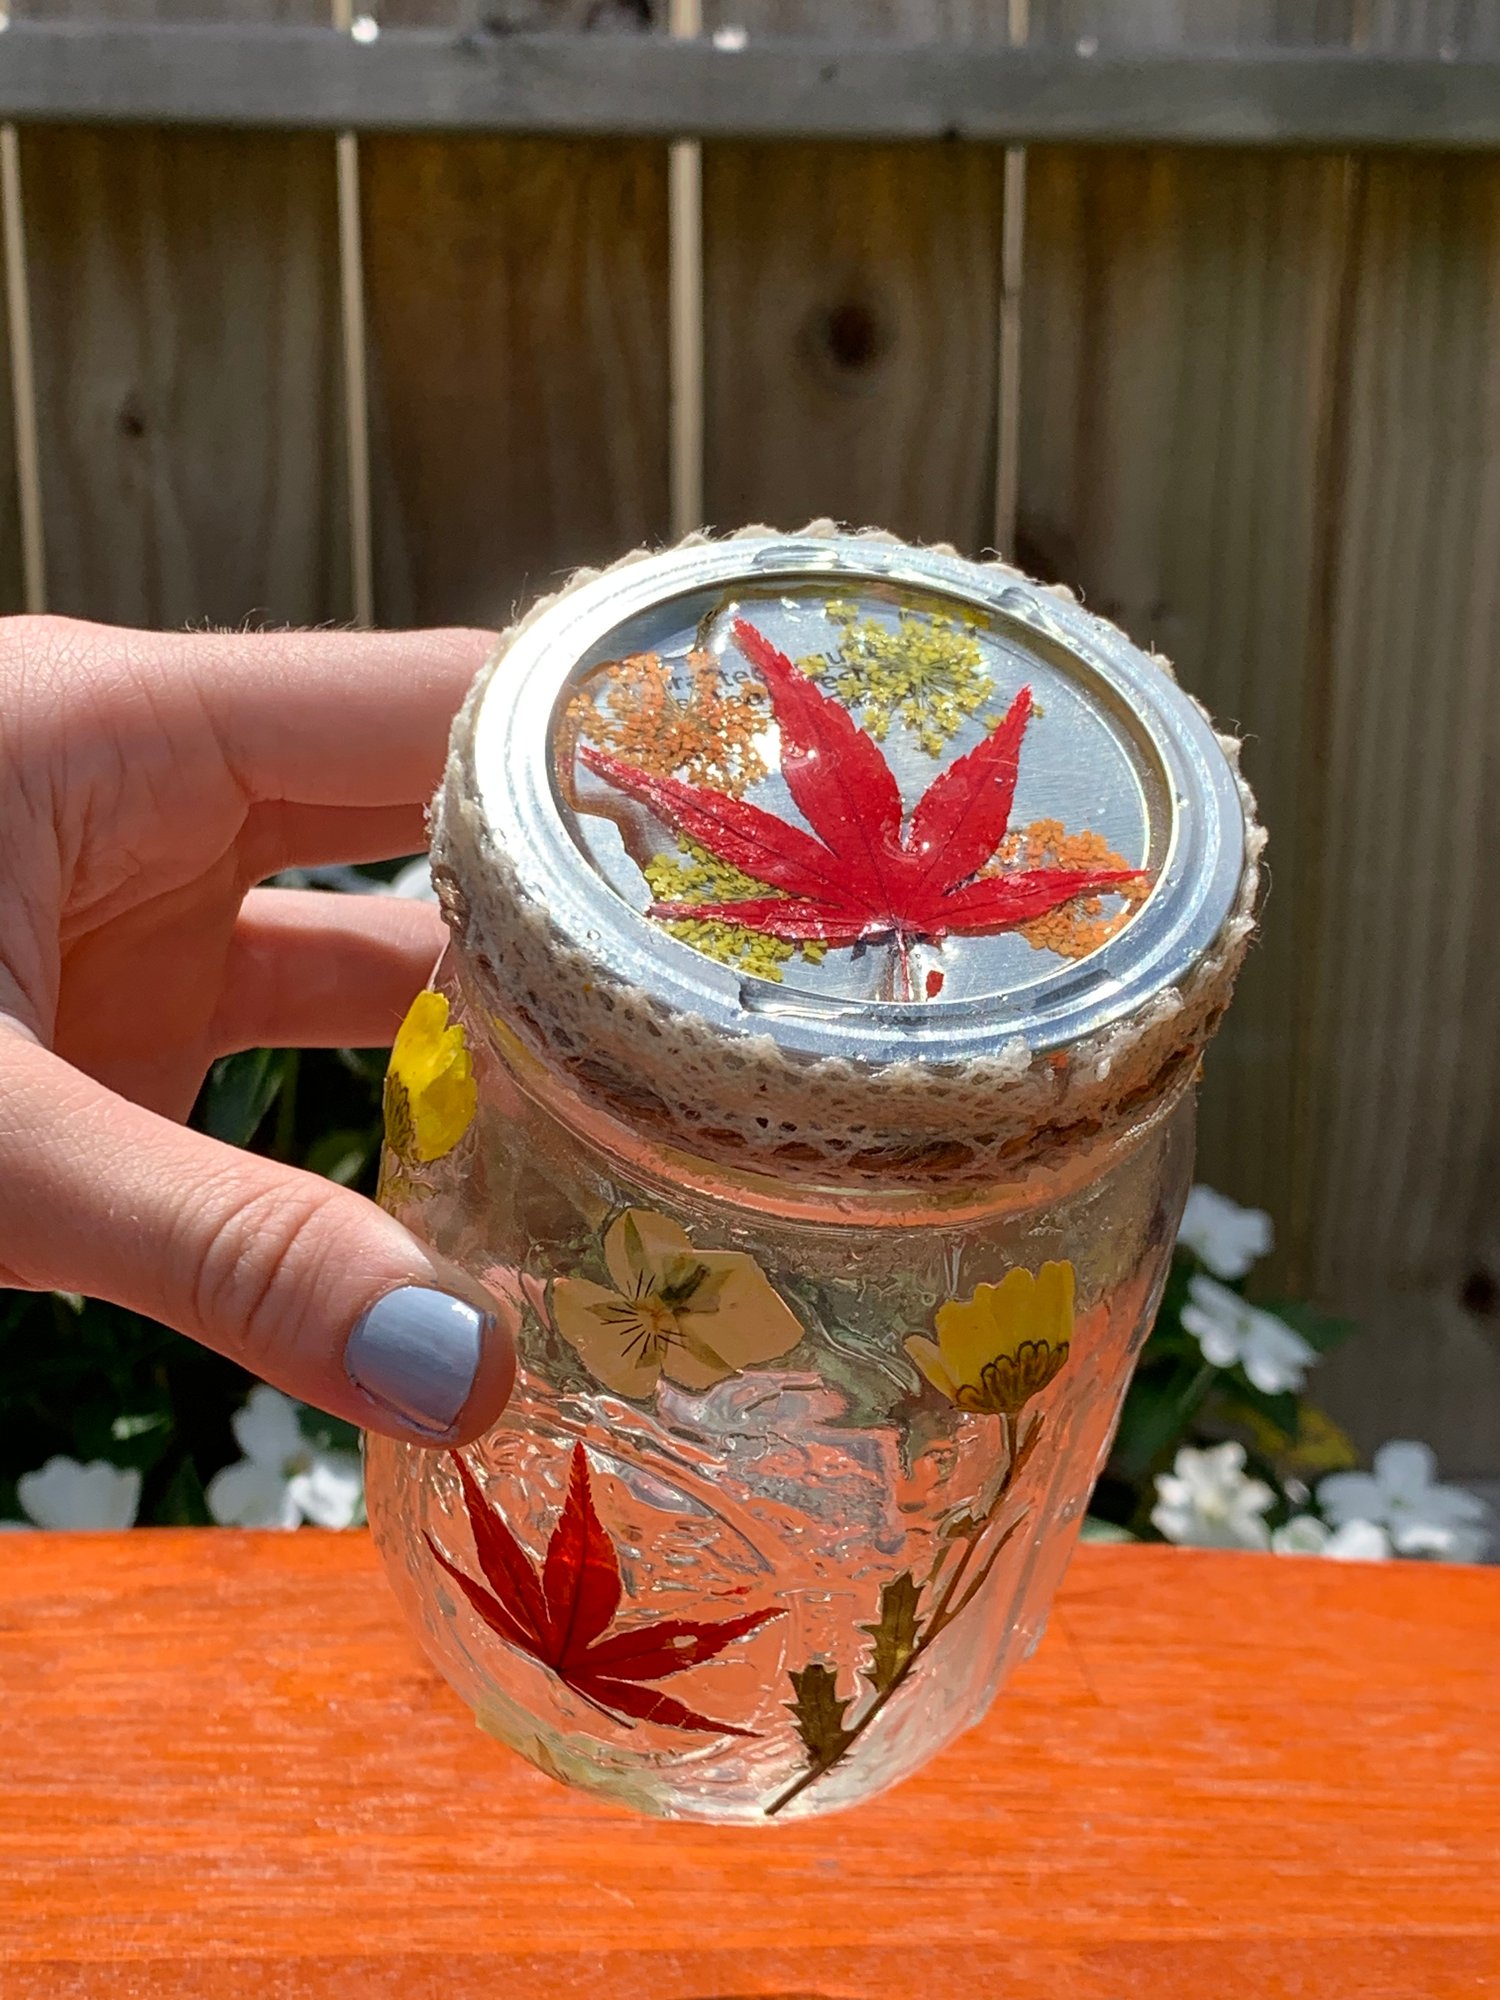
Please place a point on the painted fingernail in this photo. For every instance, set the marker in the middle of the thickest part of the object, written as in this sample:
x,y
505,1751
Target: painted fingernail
x,y
418,1351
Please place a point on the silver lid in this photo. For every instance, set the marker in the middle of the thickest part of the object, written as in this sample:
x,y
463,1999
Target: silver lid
x,y
827,855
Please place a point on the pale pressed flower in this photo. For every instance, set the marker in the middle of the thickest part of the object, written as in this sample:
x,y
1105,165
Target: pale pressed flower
x,y
1228,1238
1354,1541
1400,1494
65,1494
697,1316
282,1480
1207,1501
1272,1354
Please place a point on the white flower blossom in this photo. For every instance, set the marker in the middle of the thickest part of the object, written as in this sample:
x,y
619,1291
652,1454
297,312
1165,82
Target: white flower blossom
x,y
1229,1330
1207,1501
414,882
330,1493
1355,1541
282,1480
1400,1494
1225,1236
65,1494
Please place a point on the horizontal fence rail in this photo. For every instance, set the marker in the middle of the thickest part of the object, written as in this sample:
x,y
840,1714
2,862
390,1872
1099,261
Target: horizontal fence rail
x,y
414,80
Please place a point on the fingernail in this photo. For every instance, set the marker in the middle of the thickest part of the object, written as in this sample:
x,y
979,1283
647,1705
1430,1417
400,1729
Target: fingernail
x,y
418,1351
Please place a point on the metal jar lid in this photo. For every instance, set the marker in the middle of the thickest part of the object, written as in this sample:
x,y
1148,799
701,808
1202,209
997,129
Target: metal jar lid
x,y
827,854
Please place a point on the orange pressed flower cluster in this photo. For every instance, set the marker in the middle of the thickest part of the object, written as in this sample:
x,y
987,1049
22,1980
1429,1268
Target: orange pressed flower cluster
x,y
704,733
1080,926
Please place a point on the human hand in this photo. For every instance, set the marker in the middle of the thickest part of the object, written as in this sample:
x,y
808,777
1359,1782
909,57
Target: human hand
x,y
147,783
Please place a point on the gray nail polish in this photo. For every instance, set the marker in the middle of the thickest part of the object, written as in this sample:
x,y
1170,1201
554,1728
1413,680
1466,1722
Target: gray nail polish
x,y
417,1351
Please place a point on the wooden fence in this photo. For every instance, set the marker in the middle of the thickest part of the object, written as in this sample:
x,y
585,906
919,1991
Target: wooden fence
x,y
1246,398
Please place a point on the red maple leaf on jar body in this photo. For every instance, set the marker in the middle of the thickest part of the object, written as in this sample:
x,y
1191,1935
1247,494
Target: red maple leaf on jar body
x,y
866,871
562,1616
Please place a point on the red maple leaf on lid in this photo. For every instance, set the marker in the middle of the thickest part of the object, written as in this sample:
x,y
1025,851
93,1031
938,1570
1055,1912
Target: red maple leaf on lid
x,y
858,875
561,1617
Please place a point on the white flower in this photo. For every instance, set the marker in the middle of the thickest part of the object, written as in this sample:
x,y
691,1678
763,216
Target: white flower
x,y
1400,1494
65,1494
414,882
1227,1237
1207,1502
331,1491
282,1480
1355,1541
1228,1330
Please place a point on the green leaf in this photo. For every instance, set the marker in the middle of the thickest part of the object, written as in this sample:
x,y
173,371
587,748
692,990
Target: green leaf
x,y
1159,1408
894,1638
1096,1530
125,1428
181,1503
1236,1397
341,1156
1319,1329
240,1091
819,1712
326,1433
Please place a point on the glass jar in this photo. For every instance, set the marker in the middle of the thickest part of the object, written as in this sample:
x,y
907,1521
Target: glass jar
x,y
837,930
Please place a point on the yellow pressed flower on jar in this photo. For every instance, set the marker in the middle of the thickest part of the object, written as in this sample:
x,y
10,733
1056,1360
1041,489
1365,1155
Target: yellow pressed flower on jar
x,y
430,1096
997,1350
696,1316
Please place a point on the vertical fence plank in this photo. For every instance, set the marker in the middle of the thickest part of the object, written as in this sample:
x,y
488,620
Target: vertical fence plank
x,y
1400,1057
184,296
22,576
518,361
1433,27
1008,355
852,310
518,323
685,278
1261,404
1179,324
1181,313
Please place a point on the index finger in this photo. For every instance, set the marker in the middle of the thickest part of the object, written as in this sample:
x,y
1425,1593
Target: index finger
x,y
326,718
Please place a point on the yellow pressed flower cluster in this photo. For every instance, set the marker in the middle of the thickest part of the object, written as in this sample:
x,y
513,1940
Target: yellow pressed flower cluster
x,y
997,1350
430,1096
697,1316
926,672
694,876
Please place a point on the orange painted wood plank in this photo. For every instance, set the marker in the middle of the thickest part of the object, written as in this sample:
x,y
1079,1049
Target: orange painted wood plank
x,y
225,1768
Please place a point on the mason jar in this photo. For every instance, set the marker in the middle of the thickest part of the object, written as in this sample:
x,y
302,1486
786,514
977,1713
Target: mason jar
x,y
837,927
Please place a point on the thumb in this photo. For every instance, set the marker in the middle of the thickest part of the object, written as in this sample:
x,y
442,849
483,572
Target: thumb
x,y
308,1285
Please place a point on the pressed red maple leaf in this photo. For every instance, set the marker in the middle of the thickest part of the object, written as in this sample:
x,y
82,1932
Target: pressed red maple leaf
x,y
561,1618
858,875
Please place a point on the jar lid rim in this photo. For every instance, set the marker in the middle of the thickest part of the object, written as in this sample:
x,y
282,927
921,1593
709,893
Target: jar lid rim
x,y
1203,831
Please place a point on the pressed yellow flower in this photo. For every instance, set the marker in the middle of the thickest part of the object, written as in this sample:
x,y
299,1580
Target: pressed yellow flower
x,y
997,1350
697,1316
430,1097
926,672
692,875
